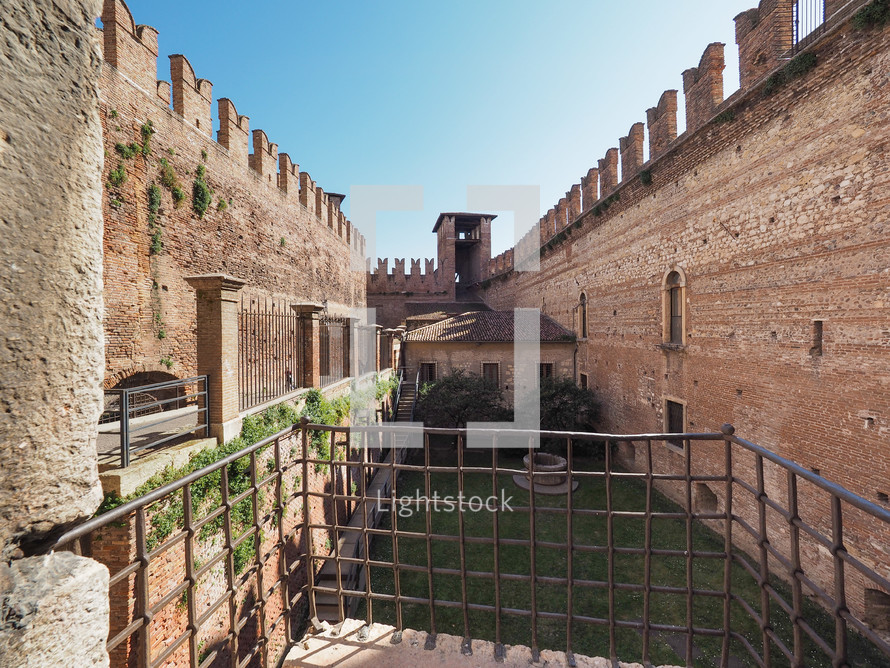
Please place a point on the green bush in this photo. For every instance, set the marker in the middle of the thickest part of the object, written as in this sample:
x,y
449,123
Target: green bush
x,y
202,195
117,177
873,15
795,69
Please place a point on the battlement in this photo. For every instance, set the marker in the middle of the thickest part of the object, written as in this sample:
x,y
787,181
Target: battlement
x,y
133,51
703,87
425,278
764,36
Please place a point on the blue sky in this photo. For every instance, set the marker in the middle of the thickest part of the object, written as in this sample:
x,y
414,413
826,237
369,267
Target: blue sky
x,y
443,94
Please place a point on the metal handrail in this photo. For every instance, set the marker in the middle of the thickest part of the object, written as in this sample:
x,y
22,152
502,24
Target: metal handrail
x,y
277,472
416,392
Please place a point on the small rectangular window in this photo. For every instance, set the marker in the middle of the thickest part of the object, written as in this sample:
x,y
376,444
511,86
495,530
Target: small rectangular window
x,y
490,372
427,372
546,369
583,381
816,350
675,421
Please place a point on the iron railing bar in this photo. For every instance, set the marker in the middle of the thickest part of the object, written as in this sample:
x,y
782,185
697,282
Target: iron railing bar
x,y
229,547
832,488
141,607
570,539
749,647
865,630
124,634
282,542
332,451
533,565
161,659
462,546
727,547
428,534
367,545
877,578
212,608
159,493
191,580
840,596
163,402
610,555
393,482
123,573
499,651
687,473
647,558
258,562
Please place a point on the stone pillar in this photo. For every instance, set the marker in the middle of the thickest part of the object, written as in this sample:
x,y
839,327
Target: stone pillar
x,y
216,296
311,328
54,607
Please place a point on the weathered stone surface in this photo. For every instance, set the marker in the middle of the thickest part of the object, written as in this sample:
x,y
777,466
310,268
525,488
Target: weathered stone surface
x,y
54,612
50,291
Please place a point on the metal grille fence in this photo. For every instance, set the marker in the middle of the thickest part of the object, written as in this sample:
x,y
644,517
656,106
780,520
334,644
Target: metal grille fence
x,y
788,533
270,352
333,349
808,20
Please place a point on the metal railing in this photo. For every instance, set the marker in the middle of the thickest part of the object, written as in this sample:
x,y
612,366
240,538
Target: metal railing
x,y
160,420
808,22
761,524
270,352
333,349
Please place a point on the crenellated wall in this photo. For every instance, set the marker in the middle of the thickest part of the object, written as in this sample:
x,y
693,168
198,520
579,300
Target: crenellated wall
x,y
773,206
268,222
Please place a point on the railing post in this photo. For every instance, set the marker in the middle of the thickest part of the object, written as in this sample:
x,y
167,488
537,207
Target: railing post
x,y
125,428
217,307
310,329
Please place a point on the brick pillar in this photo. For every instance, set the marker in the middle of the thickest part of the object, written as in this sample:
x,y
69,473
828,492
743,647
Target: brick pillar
x,y
632,151
216,296
764,34
589,188
662,121
311,328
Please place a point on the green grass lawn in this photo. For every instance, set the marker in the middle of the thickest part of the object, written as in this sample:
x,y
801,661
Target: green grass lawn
x,y
588,639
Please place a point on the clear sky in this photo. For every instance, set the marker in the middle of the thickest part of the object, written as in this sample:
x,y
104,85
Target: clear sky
x,y
443,94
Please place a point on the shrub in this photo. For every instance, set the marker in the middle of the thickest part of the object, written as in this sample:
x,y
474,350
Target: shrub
x,y
178,196
795,69
646,177
202,195
117,177
873,15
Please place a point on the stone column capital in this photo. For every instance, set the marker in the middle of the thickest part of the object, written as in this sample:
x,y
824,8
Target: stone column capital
x,y
221,286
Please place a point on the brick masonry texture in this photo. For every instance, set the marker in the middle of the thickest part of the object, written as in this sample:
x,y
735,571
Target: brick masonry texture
x,y
286,242
778,218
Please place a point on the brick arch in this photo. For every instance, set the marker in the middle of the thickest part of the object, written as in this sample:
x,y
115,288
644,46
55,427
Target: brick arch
x,y
113,380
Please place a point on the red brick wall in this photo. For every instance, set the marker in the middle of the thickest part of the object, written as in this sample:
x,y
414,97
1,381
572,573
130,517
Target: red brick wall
x,y
264,234
778,218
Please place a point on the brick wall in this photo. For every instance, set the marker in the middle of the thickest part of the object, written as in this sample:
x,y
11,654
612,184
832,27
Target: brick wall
x,y
778,217
263,232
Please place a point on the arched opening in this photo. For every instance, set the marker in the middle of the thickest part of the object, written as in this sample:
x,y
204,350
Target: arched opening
x,y
143,402
674,308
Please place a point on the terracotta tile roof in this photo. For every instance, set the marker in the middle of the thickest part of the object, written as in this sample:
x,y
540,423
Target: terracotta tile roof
x,y
485,327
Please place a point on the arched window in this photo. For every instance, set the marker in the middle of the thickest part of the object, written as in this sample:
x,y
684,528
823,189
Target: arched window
x,y
582,314
674,307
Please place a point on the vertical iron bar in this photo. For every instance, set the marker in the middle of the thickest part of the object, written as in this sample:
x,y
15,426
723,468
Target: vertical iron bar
x,y
727,548
461,528
533,565
570,546
125,428
429,531
188,522
258,560
310,564
840,596
282,540
610,553
796,571
230,564
495,518
687,475
141,605
336,538
393,475
367,544
764,564
647,558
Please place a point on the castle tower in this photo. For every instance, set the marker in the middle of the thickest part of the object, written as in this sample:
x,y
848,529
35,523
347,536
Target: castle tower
x,y
464,247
